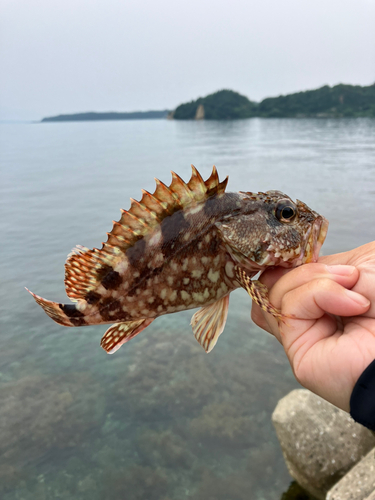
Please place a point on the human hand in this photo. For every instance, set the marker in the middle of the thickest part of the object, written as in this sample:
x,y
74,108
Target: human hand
x,y
330,338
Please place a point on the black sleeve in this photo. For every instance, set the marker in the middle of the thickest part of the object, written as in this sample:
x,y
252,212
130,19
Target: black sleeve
x,y
362,401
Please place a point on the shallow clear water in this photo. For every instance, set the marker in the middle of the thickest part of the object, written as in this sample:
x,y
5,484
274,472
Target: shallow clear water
x,y
160,419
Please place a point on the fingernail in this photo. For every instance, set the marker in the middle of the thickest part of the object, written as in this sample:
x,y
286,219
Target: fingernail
x,y
341,270
356,297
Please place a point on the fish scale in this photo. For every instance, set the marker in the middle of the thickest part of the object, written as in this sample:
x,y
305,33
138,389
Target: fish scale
x,y
185,246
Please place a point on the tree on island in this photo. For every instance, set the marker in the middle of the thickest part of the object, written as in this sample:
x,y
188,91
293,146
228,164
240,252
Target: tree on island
x,y
336,102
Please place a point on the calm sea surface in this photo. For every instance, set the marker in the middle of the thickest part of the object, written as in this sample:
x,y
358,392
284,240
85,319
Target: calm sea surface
x,y
160,419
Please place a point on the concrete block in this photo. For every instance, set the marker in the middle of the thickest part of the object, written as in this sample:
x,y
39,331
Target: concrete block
x,y
358,483
320,443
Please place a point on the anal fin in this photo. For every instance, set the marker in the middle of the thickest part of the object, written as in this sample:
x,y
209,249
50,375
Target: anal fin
x,y
258,292
119,333
208,323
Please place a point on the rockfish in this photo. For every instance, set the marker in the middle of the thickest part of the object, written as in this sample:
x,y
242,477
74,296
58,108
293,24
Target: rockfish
x,y
185,246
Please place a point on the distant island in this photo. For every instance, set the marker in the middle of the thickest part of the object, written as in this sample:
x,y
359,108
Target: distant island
x,y
326,102
109,115
222,105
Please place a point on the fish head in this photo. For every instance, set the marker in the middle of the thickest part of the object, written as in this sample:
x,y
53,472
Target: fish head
x,y
279,231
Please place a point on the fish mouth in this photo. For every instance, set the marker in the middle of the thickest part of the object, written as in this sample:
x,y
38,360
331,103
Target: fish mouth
x,y
315,240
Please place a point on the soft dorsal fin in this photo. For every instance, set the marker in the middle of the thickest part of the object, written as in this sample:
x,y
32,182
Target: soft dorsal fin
x,y
84,268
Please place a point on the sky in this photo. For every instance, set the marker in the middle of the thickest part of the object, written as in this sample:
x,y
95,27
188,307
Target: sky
x,y
68,56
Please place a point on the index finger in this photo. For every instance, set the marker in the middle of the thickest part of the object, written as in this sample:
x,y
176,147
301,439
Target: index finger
x,y
346,276
281,281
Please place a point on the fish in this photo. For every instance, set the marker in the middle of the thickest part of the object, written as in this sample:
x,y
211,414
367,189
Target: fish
x,y
186,245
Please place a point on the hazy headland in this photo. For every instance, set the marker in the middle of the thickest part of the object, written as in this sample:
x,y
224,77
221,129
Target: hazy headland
x,y
339,101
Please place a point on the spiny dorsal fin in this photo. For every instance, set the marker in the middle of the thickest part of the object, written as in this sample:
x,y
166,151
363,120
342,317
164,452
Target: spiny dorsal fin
x,y
146,214
84,268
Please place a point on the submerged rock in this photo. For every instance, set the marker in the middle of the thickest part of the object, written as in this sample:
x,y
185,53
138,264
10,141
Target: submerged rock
x,y
40,415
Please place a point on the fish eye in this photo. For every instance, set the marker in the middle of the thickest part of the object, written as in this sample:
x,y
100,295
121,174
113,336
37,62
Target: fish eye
x,y
285,211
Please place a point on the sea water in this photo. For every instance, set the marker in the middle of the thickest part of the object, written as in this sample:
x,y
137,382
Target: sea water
x,y
160,419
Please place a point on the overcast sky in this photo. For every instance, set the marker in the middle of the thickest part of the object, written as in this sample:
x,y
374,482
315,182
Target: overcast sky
x,y
66,56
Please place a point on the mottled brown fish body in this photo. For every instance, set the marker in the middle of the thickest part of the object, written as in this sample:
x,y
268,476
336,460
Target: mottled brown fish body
x,y
179,266
185,246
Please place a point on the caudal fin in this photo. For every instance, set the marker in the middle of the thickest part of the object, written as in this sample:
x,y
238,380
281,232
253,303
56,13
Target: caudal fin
x,y
63,314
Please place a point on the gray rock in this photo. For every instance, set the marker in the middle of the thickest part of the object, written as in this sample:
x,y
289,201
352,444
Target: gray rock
x,y
358,483
199,115
320,443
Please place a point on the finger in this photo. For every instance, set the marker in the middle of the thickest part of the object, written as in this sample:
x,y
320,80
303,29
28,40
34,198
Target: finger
x,y
352,257
347,276
312,338
280,281
322,295
310,302
270,276
258,316
364,259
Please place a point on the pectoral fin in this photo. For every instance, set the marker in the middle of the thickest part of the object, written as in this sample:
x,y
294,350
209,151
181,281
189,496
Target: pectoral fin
x,y
208,323
257,291
119,333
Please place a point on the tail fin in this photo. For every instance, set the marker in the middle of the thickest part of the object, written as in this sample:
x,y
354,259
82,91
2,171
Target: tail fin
x,y
63,314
